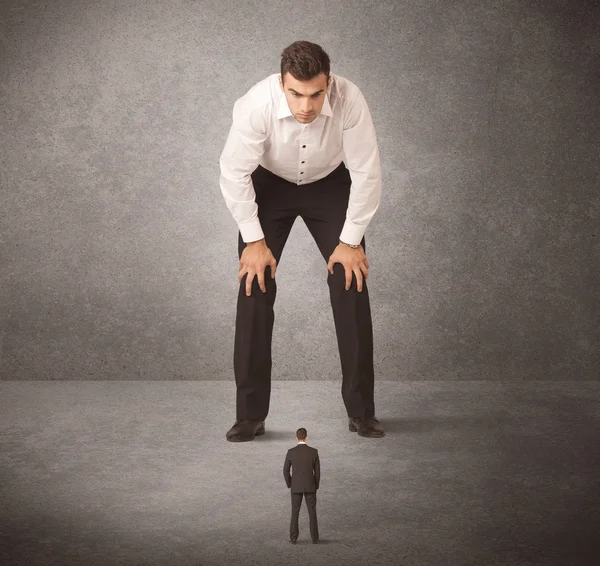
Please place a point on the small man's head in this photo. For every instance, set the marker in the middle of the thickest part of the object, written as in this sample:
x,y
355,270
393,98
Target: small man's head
x,y
301,435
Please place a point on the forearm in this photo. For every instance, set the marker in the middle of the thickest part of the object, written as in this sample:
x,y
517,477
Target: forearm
x,y
240,199
363,202
362,206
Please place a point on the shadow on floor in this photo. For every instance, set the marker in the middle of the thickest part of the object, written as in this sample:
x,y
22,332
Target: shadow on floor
x,y
430,424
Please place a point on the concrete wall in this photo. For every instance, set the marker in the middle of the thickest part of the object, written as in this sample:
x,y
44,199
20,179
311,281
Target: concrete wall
x,y
119,257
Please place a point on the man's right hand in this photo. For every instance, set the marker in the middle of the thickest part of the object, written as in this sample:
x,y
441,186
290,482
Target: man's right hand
x,y
255,258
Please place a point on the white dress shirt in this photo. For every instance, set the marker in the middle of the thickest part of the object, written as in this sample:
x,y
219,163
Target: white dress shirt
x,y
264,132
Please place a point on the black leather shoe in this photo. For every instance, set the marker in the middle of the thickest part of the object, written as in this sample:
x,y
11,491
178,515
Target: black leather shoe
x,y
244,430
293,540
368,427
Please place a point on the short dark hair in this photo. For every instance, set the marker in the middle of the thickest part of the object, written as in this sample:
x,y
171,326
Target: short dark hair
x,y
304,61
301,434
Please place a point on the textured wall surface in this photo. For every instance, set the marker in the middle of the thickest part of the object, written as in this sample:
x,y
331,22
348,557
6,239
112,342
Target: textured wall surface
x,y
119,257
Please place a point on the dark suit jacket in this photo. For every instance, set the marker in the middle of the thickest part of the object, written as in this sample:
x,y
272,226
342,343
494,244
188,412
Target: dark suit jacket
x,y
304,462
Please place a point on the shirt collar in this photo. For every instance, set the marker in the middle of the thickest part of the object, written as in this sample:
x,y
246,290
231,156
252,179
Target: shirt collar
x,y
301,442
284,110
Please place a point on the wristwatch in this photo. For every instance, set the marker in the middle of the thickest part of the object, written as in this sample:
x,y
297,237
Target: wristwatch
x,y
353,246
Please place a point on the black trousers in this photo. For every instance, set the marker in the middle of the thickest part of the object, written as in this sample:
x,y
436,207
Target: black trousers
x,y
322,205
311,505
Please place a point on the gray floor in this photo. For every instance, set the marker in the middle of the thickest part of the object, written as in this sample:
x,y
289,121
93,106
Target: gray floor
x,y
473,473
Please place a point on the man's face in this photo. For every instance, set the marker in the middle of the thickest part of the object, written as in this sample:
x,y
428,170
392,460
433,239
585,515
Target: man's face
x,y
304,97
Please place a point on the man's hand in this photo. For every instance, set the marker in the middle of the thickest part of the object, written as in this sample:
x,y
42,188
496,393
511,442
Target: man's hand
x,y
255,258
353,260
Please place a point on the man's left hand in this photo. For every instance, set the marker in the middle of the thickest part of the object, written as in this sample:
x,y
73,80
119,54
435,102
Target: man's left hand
x,y
353,260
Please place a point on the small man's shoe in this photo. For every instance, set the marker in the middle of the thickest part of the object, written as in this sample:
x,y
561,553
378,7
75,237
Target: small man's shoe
x,y
245,430
368,427
293,540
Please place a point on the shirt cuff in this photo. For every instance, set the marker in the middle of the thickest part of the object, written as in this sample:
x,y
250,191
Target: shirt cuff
x,y
352,233
251,231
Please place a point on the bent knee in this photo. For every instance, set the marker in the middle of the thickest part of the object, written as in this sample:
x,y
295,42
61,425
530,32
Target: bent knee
x,y
338,278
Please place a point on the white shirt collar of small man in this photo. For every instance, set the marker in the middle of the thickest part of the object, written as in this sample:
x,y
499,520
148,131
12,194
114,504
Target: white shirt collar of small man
x,y
301,442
